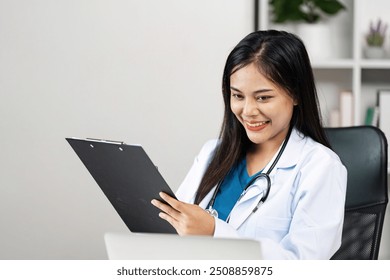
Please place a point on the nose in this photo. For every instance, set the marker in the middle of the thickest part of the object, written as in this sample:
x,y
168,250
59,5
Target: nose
x,y
250,107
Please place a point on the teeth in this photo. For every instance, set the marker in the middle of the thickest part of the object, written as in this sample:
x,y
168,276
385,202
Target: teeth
x,y
256,124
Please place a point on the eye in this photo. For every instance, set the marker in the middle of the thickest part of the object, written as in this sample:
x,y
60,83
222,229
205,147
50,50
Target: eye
x,y
237,96
263,98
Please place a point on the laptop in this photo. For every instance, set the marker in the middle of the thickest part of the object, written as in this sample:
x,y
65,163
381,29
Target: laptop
x,y
152,246
129,180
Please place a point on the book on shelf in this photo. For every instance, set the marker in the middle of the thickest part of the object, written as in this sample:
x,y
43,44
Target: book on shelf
x,y
334,118
372,116
346,108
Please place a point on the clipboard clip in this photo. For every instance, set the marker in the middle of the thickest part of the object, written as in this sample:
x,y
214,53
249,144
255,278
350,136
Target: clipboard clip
x,y
106,141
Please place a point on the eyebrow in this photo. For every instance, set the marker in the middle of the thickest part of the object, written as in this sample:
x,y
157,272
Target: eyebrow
x,y
257,91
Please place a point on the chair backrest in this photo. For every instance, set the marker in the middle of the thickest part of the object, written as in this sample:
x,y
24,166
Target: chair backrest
x,y
363,151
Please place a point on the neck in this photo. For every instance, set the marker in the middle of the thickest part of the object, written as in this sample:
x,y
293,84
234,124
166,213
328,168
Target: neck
x,y
258,156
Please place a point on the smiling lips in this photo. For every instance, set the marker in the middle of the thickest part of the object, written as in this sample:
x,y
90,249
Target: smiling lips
x,y
256,126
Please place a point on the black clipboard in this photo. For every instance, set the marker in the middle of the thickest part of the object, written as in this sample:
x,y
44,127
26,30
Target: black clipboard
x,y
129,180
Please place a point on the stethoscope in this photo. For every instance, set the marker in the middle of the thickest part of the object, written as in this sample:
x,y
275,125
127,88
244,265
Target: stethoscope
x,y
213,212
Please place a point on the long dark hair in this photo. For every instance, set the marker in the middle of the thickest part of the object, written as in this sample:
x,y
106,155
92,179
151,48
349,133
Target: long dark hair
x,y
282,58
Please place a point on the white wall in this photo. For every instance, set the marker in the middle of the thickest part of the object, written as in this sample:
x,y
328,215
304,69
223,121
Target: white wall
x,y
140,71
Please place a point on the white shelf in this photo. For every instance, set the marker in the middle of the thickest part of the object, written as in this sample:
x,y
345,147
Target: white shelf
x,y
333,64
375,64
351,63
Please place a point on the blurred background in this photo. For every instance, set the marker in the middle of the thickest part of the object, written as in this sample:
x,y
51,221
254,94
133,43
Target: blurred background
x,y
139,71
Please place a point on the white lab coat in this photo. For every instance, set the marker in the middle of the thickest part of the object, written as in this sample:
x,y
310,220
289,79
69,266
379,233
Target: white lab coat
x,y
302,217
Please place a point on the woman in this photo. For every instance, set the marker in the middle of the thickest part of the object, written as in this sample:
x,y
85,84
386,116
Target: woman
x,y
271,125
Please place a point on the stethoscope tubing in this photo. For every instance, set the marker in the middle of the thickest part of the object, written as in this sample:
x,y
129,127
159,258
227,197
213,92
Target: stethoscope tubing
x,y
213,212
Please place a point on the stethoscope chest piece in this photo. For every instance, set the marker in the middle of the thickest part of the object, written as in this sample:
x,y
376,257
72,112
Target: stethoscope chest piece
x,y
212,212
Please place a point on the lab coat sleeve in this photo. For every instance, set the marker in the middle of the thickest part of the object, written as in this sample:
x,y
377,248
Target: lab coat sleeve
x,y
223,229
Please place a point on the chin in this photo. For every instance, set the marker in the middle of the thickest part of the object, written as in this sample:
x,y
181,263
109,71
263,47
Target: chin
x,y
256,140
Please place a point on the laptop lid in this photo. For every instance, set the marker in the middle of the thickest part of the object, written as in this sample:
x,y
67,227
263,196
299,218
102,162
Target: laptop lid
x,y
149,246
128,178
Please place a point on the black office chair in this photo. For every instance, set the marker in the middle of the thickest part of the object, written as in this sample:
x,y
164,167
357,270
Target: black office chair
x,y
363,150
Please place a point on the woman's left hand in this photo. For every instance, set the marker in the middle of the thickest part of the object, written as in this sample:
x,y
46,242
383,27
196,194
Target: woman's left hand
x,y
187,219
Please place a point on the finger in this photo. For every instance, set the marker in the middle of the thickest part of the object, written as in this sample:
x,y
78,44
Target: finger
x,y
166,208
174,223
168,218
174,203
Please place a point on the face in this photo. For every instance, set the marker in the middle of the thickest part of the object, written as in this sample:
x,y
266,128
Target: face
x,y
263,108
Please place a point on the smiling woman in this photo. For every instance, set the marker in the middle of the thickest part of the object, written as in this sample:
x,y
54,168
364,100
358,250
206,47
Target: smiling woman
x,y
271,174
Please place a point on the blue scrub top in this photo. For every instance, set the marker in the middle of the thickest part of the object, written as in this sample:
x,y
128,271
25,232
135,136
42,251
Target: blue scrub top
x,y
231,188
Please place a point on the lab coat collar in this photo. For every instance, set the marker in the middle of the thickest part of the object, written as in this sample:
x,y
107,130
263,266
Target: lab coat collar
x,y
247,204
290,154
292,151
205,201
